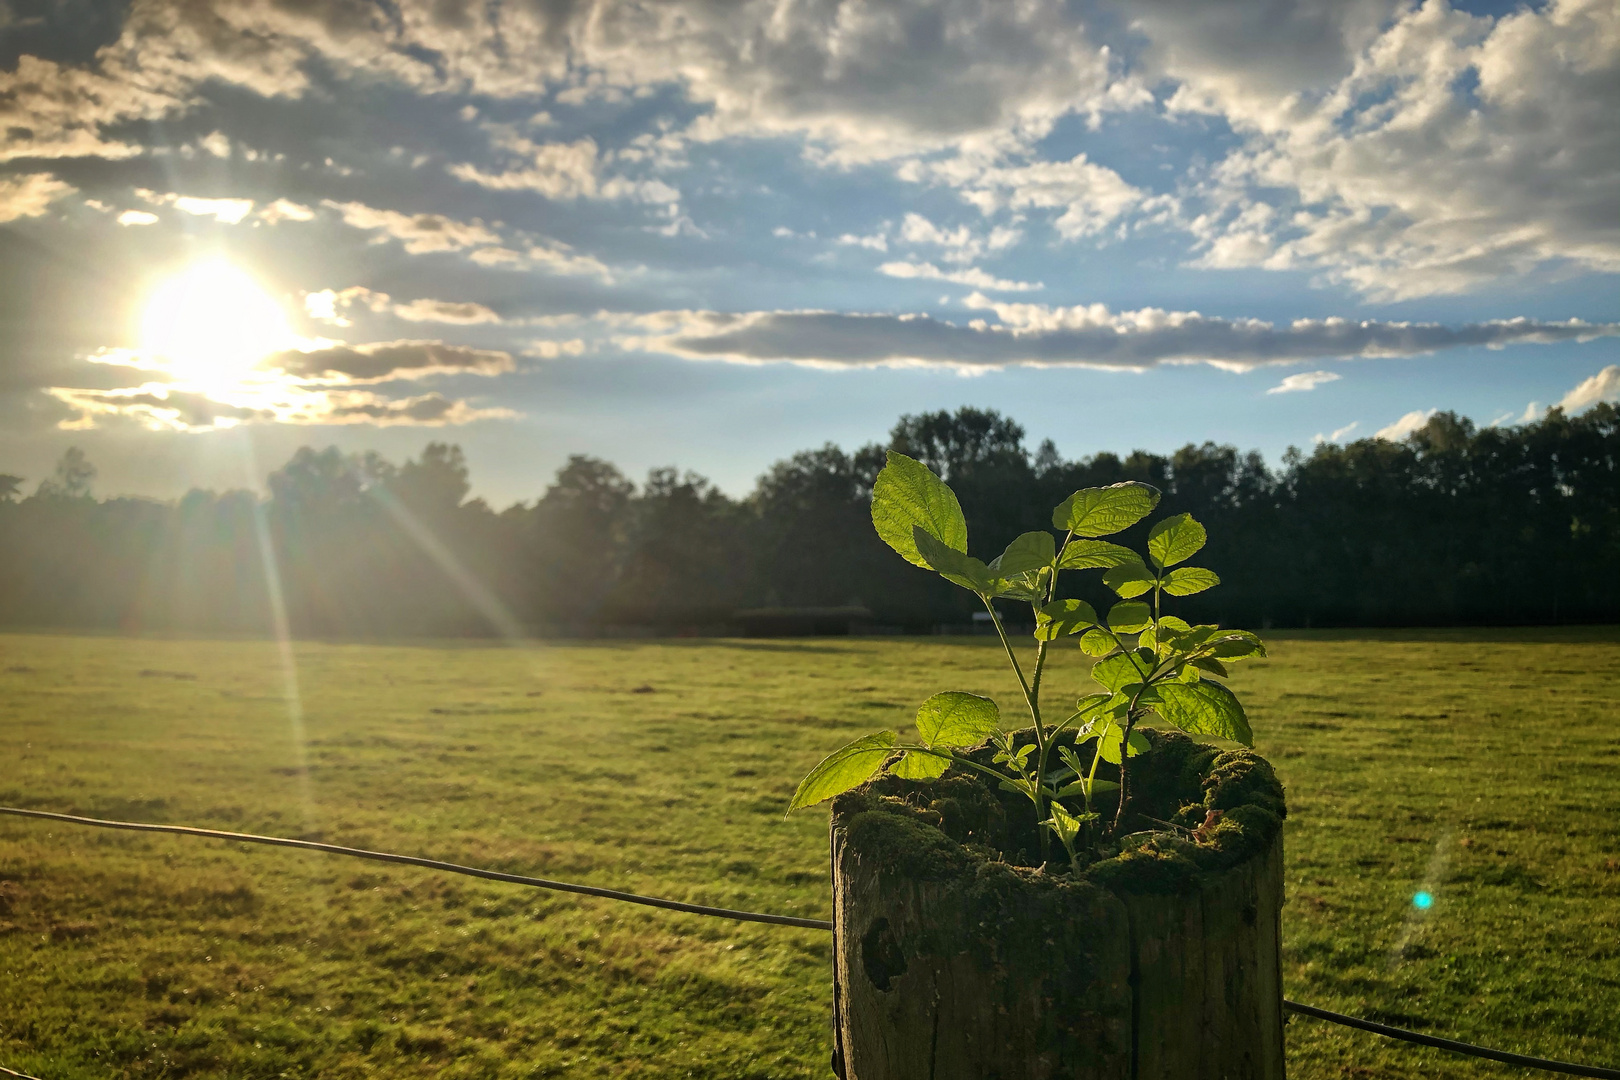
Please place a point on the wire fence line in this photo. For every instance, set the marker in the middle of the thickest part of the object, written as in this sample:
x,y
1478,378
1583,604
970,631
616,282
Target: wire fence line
x,y
1469,1049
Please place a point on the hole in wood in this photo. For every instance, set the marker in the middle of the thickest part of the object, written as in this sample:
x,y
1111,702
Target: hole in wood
x,y
881,956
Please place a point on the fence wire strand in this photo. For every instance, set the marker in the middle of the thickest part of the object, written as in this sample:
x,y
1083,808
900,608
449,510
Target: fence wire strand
x,y
1471,1050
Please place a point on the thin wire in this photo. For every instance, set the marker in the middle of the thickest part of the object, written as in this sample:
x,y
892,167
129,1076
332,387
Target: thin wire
x,y
1451,1044
12,1072
1568,1068
431,864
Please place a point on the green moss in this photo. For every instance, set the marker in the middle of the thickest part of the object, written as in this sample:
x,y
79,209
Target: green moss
x,y
931,830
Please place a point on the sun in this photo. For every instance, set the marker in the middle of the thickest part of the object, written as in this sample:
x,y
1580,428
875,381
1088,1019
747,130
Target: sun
x,y
211,324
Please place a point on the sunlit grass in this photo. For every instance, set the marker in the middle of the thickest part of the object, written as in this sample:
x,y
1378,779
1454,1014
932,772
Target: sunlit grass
x,y
1416,763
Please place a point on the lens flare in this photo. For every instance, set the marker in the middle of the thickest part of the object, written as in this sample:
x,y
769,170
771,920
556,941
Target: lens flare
x,y
1423,901
211,324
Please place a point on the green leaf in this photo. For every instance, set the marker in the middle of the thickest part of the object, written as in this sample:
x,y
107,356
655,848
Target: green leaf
x,y
1031,551
1235,645
1064,824
845,768
907,496
1103,511
1204,708
1209,664
920,766
1129,617
1095,554
1097,643
1108,744
1130,579
957,719
1098,787
1186,580
1175,539
1026,587
954,566
1063,617
1115,672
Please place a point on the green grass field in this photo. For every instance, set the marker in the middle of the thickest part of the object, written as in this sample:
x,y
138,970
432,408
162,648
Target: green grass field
x,y
1481,766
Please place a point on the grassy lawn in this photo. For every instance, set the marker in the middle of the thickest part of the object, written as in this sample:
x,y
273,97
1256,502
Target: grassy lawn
x,y
1482,767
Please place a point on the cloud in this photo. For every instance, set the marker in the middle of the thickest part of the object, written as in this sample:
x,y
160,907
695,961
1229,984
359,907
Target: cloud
x,y
1338,434
29,195
387,361
1443,151
163,408
556,170
1604,386
137,217
1083,336
50,110
463,312
1405,426
285,210
973,277
420,233
225,211
550,350
1304,380
1091,197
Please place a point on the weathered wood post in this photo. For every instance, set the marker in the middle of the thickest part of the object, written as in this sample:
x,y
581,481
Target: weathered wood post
x,y
956,960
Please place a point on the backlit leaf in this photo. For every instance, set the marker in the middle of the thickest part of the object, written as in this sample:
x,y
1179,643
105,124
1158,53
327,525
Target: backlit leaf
x,y
1098,787
1115,672
1175,539
1235,645
957,719
1095,555
1097,643
1103,511
845,768
1129,616
954,566
1031,551
1129,579
907,495
1204,708
1186,580
919,766
1063,617
1108,743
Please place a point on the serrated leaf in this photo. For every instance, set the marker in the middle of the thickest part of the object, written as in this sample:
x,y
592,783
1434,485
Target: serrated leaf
x,y
845,768
1209,664
1115,672
1204,708
1095,555
1103,511
1024,587
1097,643
954,566
919,766
1063,823
1130,579
1186,580
1108,744
1063,617
1031,551
1129,617
956,719
1235,645
1175,539
907,496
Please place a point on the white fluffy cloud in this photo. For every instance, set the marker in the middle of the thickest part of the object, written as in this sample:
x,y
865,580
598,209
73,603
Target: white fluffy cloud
x,y
1082,336
420,233
29,195
972,277
1403,427
1451,151
1304,380
1604,386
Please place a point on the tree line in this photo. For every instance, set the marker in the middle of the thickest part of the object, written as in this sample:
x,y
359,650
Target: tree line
x,y
1453,525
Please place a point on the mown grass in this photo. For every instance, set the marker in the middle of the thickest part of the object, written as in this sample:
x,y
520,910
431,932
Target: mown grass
x,y
1484,767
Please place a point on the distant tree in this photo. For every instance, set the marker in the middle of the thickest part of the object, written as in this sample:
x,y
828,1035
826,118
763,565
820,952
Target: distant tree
x,y
954,444
437,483
10,487
72,478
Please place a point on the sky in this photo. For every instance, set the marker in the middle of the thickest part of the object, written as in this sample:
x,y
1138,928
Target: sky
x,y
710,233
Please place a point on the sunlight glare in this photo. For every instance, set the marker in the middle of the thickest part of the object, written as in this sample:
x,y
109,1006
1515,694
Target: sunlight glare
x,y
212,323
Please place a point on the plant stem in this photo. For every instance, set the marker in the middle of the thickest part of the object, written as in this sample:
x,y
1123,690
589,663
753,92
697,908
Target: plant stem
x,y
1039,797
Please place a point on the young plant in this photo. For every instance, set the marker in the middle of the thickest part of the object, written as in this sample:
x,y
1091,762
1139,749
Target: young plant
x,y
1146,662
